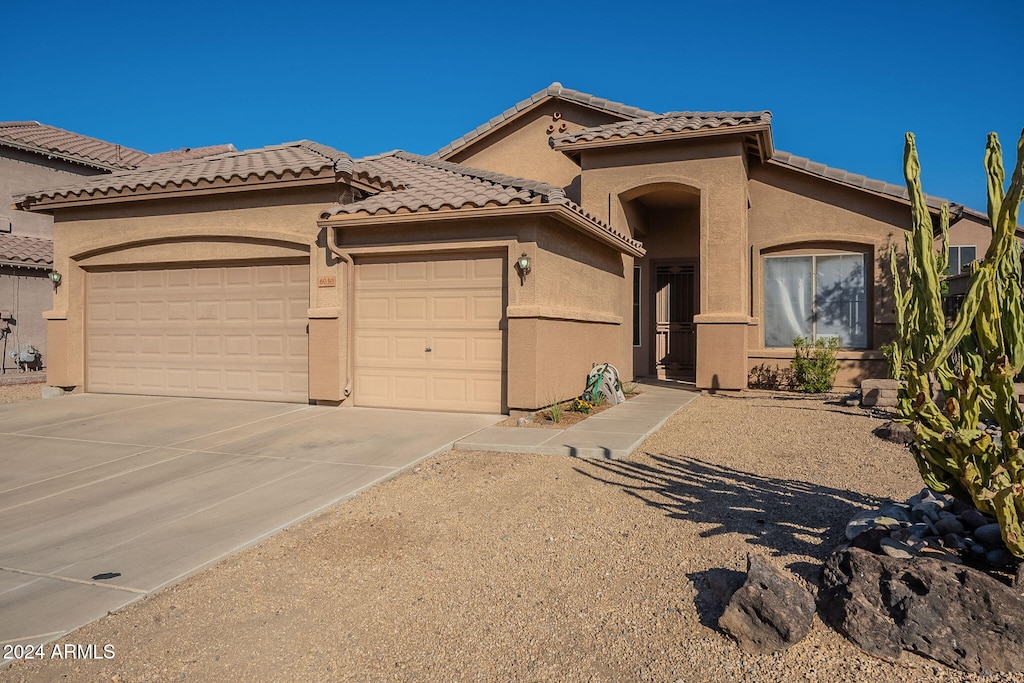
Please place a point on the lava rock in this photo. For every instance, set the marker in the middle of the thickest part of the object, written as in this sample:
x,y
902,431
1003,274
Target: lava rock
x,y
895,432
1018,580
959,616
770,612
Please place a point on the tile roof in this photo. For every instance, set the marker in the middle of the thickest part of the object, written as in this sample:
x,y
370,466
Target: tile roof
x,y
33,136
184,154
32,252
658,124
255,164
427,184
862,182
553,90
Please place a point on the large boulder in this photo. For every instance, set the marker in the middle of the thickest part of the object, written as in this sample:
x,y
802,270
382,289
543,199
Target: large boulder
x,y
959,616
769,612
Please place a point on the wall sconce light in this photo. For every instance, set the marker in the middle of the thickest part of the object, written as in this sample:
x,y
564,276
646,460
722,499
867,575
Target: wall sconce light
x,y
55,279
523,268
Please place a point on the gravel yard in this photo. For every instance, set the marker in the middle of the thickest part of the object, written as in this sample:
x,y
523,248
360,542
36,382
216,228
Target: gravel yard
x,y
15,391
481,566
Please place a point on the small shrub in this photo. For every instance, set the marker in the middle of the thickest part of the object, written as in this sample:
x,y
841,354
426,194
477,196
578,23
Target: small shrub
x,y
581,406
630,388
814,365
775,378
555,411
597,399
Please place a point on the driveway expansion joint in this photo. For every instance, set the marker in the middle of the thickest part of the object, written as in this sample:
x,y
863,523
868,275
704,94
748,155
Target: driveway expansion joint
x,y
69,579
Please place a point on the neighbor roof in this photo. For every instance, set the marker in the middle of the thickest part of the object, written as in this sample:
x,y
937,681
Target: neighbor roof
x,y
33,136
267,163
31,252
425,185
553,90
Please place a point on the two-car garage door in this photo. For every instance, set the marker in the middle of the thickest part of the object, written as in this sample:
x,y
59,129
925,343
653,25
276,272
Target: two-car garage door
x,y
428,332
212,332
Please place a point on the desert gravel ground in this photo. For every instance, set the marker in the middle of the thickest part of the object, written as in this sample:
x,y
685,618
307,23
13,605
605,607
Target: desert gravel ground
x,y
18,391
492,567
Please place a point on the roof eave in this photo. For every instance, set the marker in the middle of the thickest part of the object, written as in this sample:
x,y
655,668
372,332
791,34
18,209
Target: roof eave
x,y
558,211
81,161
24,264
29,203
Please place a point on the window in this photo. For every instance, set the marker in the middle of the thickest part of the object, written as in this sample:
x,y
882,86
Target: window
x,y
960,257
815,296
636,305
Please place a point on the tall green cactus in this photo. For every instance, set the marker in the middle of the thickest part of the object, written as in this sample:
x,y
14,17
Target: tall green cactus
x,y
974,361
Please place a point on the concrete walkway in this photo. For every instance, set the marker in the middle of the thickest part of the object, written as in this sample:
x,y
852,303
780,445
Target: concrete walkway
x,y
614,433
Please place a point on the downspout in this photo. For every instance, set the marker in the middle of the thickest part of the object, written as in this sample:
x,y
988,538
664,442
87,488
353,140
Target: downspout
x,y
350,281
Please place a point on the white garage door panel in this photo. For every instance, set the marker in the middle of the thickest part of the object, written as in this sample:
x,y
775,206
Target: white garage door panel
x,y
226,332
455,307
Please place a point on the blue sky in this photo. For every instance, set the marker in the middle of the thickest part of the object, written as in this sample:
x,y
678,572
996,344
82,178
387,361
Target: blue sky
x,y
843,80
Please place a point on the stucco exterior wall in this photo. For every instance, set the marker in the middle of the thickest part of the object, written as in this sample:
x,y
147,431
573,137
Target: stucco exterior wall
x,y
26,293
521,147
221,229
716,170
794,213
562,318
23,171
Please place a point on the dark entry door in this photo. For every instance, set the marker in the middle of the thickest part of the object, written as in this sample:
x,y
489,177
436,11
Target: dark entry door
x,y
675,304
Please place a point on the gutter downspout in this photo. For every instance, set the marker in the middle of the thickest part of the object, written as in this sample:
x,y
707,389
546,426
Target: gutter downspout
x,y
350,281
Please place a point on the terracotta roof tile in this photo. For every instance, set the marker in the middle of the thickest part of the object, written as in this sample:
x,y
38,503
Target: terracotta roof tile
x,y
36,137
652,125
184,154
553,90
276,161
29,251
428,184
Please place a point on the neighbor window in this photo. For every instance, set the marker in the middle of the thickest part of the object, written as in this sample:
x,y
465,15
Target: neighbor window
x,y
636,305
960,257
815,296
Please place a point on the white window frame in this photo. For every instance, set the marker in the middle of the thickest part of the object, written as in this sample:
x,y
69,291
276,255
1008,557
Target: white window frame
x,y
958,247
814,295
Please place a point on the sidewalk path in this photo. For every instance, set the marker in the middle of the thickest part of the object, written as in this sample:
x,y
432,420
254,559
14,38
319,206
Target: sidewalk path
x,y
613,433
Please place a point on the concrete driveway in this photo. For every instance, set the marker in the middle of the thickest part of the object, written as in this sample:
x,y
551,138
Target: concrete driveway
x,y
104,499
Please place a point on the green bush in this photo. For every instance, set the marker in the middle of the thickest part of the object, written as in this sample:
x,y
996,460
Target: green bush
x,y
814,365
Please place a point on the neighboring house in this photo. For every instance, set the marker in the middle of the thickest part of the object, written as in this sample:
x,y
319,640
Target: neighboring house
x,y
680,245
34,155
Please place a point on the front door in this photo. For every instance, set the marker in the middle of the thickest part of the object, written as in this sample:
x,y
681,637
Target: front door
x,y
675,304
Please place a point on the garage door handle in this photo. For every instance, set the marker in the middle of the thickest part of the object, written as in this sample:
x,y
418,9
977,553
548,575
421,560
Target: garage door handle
x,y
428,349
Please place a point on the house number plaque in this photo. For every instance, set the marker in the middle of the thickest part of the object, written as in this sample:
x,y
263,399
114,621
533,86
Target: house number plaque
x,y
327,281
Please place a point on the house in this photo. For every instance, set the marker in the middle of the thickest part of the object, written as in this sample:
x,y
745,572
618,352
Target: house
x,y
34,155
489,276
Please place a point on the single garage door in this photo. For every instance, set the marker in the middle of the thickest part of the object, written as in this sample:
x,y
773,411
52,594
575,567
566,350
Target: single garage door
x,y
224,332
428,333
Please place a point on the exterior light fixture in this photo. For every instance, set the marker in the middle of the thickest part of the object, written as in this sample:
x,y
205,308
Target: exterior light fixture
x,y
523,268
55,279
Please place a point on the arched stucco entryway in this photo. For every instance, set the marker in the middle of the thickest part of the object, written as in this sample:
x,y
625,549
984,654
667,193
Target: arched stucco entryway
x,y
667,218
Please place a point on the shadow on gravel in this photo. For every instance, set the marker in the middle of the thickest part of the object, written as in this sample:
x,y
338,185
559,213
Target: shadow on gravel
x,y
782,515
